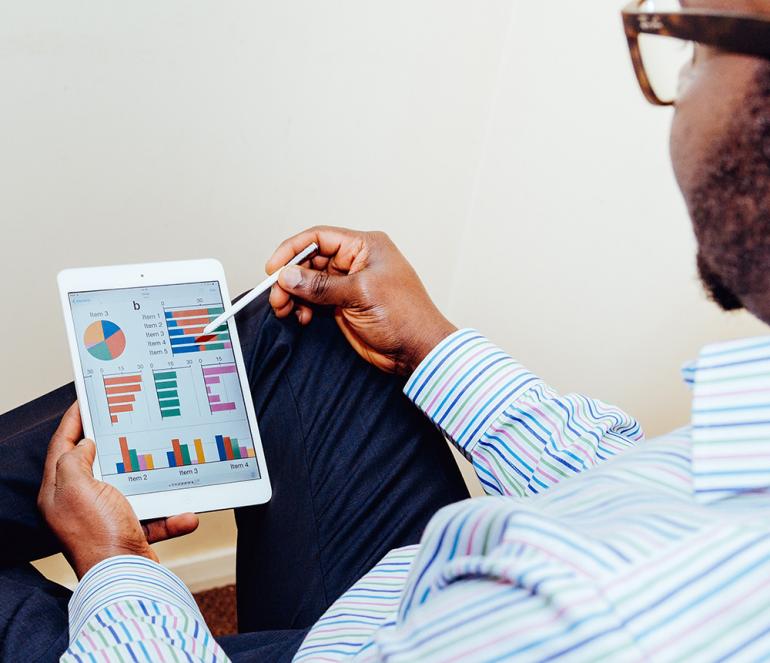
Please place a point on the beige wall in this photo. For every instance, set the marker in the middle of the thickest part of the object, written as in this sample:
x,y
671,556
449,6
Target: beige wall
x,y
509,154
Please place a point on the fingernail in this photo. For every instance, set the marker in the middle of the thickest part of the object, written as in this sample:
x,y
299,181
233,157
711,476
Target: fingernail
x,y
291,276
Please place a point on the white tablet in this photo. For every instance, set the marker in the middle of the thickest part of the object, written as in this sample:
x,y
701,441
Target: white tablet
x,y
168,407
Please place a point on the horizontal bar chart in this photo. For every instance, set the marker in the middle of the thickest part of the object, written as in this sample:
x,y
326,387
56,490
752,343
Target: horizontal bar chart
x,y
167,389
216,378
185,330
121,391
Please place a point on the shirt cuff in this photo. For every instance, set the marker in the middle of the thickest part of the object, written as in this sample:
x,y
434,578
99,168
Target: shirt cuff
x,y
126,577
465,384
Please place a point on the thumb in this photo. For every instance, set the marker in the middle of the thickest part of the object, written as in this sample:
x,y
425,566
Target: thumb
x,y
317,287
85,453
76,465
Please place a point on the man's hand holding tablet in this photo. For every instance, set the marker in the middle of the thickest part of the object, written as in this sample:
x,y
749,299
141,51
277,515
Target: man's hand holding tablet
x,y
81,510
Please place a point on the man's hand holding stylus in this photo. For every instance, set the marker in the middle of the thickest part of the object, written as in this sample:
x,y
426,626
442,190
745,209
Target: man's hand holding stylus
x,y
380,304
92,519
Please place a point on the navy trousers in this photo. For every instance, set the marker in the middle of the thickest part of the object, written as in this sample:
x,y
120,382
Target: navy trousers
x,y
356,471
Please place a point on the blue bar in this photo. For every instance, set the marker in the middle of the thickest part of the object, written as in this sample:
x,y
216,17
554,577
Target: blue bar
x,y
183,340
179,349
121,468
169,314
171,323
221,447
171,459
176,332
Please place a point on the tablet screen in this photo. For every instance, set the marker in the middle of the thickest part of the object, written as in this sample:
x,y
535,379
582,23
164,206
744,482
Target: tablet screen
x,y
165,400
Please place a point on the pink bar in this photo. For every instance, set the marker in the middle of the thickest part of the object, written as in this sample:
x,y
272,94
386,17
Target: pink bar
x,y
212,380
228,346
213,398
221,407
244,453
142,462
218,370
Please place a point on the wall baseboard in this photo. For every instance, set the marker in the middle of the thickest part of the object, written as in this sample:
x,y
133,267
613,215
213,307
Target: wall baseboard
x,y
214,568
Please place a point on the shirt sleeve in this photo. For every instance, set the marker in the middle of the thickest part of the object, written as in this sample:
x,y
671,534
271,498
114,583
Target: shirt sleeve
x,y
129,608
521,436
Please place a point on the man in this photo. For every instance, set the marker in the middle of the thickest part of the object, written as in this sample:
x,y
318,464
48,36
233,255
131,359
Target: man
x,y
590,545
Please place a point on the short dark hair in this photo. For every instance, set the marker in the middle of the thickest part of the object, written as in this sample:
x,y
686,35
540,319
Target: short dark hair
x,y
730,207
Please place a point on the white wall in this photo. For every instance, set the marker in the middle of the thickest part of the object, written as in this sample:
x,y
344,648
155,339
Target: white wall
x,y
508,152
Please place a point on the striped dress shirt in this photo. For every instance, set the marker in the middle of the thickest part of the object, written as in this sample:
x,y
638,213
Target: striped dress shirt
x,y
589,545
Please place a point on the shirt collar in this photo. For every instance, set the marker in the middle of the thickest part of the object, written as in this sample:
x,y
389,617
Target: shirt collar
x,y
730,418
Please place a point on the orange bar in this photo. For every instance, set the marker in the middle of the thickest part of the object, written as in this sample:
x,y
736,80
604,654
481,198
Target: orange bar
x,y
177,453
191,322
189,313
199,452
229,449
114,409
250,452
149,462
123,398
193,331
123,379
114,420
123,389
125,455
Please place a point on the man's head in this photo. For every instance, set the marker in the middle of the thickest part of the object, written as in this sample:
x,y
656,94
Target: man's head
x,y
720,146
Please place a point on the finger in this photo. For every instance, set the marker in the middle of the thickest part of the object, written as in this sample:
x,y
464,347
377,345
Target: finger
x,y
278,297
330,241
304,314
285,310
171,527
318,287
64,439
319,262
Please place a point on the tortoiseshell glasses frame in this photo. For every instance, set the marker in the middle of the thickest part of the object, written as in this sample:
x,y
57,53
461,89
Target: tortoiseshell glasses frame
x,y
736,32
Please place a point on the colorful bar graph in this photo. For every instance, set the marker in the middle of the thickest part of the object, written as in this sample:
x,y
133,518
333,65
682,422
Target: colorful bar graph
x,y
185,330
215,377
133,462
121,391
181,455
229,449
166,387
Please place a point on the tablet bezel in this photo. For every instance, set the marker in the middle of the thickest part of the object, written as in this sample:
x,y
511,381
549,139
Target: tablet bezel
x,y
171,502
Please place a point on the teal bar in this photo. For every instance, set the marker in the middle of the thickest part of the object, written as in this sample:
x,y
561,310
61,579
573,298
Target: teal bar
x,y
164,405
167,393
169,375
216,310
215,346
170,413
165,384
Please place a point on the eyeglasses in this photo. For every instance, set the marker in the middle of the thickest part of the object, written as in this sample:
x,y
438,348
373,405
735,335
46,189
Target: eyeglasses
x,y
662,36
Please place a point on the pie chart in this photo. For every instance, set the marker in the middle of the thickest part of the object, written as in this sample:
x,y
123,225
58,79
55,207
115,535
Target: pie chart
x,y
104,340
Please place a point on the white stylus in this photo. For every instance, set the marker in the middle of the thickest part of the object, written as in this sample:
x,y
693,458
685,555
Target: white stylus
x,y
262,287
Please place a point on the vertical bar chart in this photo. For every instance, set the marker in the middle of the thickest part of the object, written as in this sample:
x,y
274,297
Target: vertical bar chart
x,y
121,390
167,389
229,448
179,455
216,378
133,462
185,329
